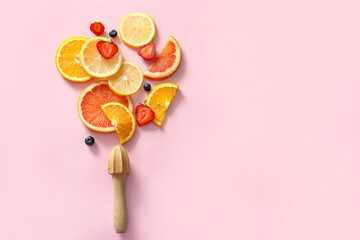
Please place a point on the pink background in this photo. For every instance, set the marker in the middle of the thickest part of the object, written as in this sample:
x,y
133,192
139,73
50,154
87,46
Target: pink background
x,y
261,142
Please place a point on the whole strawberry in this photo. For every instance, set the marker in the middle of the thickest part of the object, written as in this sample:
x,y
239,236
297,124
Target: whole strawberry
x,y
97,28
144,114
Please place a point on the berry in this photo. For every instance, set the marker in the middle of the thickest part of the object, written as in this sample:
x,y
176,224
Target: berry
x,y
97,28
147,86
147,51
144,114
113,33
89,140
107,49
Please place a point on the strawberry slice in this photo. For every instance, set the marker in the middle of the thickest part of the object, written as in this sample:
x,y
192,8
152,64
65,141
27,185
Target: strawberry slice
x,y
144,114
97,28
107,49
147,51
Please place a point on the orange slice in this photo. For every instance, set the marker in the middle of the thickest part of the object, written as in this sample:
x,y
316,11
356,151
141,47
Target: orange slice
x,y
166,63
68,60
90,102
122,118
159,100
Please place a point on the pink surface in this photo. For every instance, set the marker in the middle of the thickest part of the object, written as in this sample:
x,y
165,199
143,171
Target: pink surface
x,y
261,142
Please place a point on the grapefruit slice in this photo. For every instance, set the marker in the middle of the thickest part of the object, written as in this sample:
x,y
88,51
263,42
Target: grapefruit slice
x,y
90,102
166,63
122,118
68,60
159,100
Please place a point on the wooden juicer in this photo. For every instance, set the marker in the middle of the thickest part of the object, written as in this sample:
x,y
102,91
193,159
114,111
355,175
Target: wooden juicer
x,y
118,167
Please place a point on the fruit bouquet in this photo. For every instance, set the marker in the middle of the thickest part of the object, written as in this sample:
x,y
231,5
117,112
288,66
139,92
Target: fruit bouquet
x,y
106,104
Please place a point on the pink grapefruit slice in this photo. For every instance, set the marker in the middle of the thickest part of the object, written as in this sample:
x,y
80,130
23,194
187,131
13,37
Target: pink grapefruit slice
x,y
89,106
166,63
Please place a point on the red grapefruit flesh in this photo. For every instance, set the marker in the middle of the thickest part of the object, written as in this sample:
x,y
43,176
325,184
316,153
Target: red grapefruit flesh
x,y
166,63
90,102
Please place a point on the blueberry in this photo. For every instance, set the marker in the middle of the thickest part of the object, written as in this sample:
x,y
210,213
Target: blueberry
x,y
113,33
147,87
89,140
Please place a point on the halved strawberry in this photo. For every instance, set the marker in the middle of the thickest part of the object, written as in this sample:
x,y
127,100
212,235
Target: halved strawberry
x,y
147,51
97,28
107,49
144,114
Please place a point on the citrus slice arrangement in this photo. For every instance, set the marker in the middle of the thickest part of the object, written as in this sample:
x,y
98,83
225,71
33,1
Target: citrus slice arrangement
x,y
106,105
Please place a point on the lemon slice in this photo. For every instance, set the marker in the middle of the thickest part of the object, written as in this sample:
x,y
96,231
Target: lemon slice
x,y
159,100
137,29
68,60
122,118
127,80
95,64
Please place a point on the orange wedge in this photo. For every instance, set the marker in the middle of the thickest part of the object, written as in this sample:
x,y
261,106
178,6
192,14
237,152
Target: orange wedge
x,y
68,60
166,63
122,118
159,100
90,102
